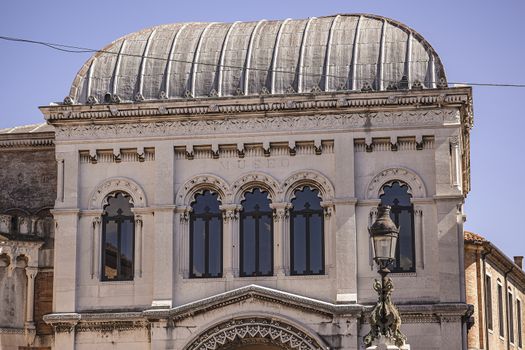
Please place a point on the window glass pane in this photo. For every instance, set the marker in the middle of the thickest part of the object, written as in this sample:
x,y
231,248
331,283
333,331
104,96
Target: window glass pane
x,y
248,247
206,202
405,242
265,245
198,253
500,311
215,247
111,250
299,245
520,333
510,316
488,286
396,194
307,197
316,244
126,249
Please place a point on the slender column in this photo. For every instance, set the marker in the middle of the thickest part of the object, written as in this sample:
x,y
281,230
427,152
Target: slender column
x,y
329,210
280,230
371,219
95,247
420,239
183,214
230,215
60,179
31,272
456,165
139,246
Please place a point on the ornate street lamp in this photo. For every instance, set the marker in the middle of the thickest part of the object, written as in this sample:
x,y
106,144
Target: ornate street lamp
x,y
385,321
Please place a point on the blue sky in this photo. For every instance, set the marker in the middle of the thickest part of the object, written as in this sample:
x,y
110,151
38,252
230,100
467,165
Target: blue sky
x,y
478,41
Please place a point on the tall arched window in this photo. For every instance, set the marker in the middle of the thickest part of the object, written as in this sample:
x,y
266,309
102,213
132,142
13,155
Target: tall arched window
x,y
206,236
307,233
256,236
118,239
402,213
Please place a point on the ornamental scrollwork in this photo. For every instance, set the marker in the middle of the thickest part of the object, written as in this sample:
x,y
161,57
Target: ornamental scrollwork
x,y
284,334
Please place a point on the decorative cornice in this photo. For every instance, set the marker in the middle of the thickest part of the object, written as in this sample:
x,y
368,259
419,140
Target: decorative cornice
x,y
189,126
261,105
24,142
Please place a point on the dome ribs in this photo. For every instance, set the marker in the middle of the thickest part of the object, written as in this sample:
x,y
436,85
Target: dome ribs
x,y
355,53
326,67
221,60
196,57
276,52
140,82
352,52
299,87
248,60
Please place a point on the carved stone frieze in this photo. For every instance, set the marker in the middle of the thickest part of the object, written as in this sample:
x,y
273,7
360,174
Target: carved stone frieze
x,y
259,124
286,335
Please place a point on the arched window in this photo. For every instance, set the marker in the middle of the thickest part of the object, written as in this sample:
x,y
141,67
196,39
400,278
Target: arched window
x,y
206,236
118,239
307,233
402,213
256,236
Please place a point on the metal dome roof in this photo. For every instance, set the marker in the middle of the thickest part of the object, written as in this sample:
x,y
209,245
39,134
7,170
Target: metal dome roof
x,y
190,60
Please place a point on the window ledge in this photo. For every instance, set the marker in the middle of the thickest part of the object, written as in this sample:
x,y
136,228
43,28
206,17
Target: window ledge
x,y
111,283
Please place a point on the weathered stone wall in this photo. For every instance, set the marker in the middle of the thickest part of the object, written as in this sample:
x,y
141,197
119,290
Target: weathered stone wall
x,y
12,297
28,179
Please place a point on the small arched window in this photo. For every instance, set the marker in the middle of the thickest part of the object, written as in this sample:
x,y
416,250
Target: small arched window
x,y
118,239
402,213
256,235
307,233
206,236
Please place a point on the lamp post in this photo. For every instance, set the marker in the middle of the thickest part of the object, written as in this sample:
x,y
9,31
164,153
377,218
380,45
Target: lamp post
x,y
385,321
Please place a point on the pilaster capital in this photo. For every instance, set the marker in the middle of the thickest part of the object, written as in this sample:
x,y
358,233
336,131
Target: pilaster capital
x,y
230,212
31,272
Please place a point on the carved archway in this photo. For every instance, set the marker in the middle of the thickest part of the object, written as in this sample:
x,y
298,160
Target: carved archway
x,y
255,331
308,178
414,182
99,195
198,183
256,179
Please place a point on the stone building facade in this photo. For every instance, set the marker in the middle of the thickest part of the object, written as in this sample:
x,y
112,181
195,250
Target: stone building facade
x,y
215,183
496,288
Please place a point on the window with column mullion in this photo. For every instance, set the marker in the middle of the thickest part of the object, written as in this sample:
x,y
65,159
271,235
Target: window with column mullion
x,y
307,209
256,242
205,209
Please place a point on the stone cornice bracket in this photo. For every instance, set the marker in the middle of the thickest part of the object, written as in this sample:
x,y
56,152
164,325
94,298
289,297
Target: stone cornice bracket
x,y
329,208
61,323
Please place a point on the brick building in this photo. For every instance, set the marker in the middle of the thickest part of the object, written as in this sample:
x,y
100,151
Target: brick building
x,y
495,285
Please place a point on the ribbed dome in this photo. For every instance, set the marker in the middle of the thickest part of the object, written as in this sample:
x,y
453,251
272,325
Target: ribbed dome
x,y
185,60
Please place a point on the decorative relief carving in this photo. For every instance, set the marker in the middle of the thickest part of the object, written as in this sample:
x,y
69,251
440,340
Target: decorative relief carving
x,y
138,197
414,182
308,178
281,123
230,212
249,181
284,334
208,181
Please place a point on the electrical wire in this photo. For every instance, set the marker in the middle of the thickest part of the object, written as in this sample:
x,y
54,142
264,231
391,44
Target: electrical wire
x,y
78,49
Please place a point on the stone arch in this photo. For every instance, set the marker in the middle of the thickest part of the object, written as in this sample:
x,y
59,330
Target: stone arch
x,y
304,178
256,179
256,330
415,184
117,184
198,184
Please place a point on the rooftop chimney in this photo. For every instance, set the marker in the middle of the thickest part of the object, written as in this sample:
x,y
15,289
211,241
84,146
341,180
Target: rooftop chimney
x,y
518,260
